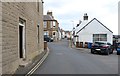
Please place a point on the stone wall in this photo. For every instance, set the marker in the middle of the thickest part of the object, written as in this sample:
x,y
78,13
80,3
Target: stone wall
x,y
119,18
12,11
0,38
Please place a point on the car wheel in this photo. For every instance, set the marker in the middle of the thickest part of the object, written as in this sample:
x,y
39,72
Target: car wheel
x,y
118,53
111,51
92,51
107,52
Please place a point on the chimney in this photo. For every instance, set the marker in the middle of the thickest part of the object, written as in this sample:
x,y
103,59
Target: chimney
x,y
49,13
85,17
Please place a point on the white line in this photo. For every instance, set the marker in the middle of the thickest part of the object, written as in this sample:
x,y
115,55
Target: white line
x,y
38,64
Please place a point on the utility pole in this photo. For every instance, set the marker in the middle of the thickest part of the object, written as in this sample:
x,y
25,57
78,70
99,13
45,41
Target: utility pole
x,y
71,34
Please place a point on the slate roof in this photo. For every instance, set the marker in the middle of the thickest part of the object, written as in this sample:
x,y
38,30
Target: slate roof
x,y
47,17
90,22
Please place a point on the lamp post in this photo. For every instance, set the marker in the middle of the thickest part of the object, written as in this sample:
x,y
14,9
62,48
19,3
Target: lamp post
x,y
71,35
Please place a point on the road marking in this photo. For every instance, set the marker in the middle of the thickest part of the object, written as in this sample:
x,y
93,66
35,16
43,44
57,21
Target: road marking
x,y
38,64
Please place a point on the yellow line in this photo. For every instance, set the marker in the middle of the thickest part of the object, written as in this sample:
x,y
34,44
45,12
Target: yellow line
x,y
38,64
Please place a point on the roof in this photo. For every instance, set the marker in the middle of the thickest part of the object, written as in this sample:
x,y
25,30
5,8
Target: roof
x,y
90,22
81,25
47,17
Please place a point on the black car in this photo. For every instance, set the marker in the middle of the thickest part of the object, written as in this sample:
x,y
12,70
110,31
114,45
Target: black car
x,y
102,47
47,38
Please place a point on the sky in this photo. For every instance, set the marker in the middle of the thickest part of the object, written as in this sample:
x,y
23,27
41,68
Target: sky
x,y
69,12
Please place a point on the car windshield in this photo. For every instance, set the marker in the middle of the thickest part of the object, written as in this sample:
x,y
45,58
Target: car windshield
x,y
100,43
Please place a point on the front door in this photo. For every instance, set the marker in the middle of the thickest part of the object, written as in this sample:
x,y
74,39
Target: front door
x,y
22,39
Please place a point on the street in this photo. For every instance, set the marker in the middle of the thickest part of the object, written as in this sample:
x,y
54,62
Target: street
x,y
65,60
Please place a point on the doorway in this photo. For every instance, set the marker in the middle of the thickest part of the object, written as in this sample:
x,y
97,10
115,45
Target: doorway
x,y
21,38
21,41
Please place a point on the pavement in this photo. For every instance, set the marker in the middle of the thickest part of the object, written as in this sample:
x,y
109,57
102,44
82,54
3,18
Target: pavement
x,y
66,60
27,70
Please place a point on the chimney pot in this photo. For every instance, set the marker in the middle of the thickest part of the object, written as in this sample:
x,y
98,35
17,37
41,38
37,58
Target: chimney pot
x,y
85,17
49,13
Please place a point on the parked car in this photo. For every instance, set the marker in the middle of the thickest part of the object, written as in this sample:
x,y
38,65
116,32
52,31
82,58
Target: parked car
x,y
118,48
102,47
47,38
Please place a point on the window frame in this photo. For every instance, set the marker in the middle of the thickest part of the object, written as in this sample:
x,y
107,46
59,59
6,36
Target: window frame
x,y
45,24
99,37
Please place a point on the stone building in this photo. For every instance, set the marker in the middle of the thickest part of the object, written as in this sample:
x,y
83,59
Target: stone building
x,y
21,34
118,18
51,26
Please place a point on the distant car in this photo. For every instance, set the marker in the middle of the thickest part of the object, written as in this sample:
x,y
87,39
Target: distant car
x,y
47,38
118,49
102,47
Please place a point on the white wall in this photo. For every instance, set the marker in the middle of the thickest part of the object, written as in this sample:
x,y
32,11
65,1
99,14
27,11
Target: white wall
x,y
86,35
55,37
63,34
110,38
85,38
68,36
59,35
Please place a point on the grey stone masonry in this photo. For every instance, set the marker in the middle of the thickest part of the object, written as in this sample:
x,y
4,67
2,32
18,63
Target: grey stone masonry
x,y
0,38
119,33
33,45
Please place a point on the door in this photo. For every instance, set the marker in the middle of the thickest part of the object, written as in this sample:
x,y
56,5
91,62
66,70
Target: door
x,y
22,39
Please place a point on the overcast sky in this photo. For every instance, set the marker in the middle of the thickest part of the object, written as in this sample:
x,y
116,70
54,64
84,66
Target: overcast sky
x,y
69,12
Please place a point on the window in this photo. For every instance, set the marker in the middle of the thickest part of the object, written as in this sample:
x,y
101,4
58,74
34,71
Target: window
x,y
53,33
21,37
37,6
38,32
54,24
99,37
51,24
45,24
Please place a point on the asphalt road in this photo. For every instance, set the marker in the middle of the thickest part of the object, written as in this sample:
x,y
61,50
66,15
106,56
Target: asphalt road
x,y
65,60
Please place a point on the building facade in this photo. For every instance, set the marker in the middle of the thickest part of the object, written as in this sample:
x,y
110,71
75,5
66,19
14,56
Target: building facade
x,y
21,36
51,26
91,31
59,34
63,33
68,34
118,18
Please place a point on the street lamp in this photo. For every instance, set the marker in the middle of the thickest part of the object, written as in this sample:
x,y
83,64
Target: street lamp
x,y
71,35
